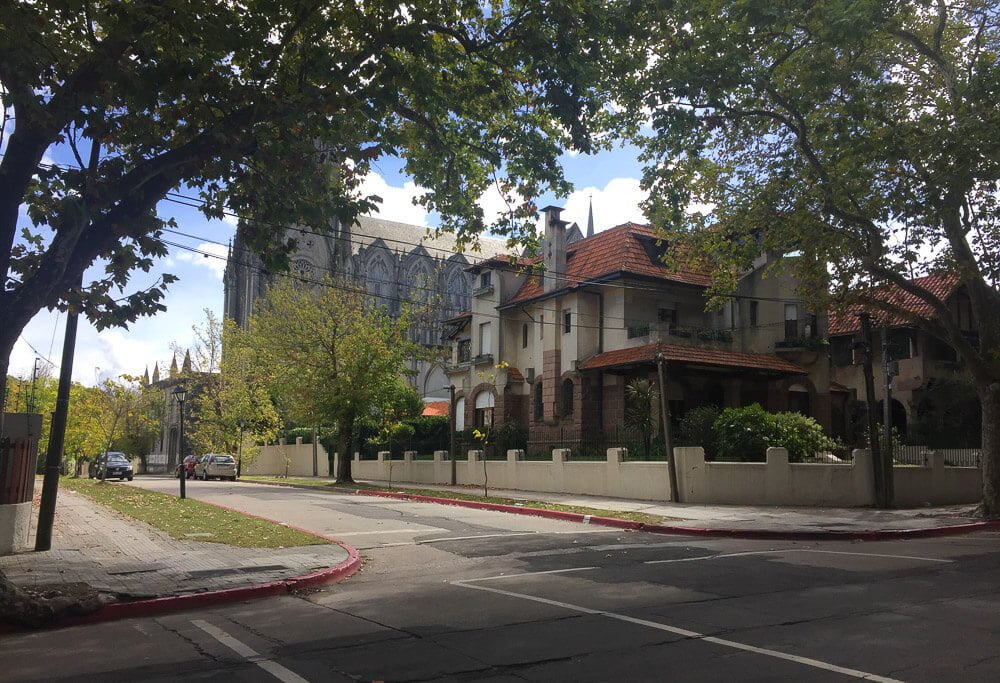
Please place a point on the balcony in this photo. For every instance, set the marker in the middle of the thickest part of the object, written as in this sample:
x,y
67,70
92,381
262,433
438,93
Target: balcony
x,y
483,290
482,359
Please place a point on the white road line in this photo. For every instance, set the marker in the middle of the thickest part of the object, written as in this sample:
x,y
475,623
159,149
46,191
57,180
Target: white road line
x,y
504,535
510,576
797,550
248,653
805,661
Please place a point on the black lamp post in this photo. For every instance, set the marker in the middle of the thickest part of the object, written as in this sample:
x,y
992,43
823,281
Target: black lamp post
x,y
179,395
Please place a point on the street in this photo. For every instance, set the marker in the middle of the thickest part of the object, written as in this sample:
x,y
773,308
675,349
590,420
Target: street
x,y
462,594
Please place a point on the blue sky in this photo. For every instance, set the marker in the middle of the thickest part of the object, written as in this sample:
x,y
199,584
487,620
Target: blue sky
x,y
610,178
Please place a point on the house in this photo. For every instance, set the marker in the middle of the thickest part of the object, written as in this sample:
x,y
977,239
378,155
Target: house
x,y
571,327
393,262
932,401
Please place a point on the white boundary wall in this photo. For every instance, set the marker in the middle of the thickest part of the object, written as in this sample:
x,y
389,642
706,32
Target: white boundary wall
x,y
293,460
775,482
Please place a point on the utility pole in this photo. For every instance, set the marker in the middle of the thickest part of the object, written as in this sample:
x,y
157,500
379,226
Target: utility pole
x,y
668,442
887,473
57,435
315,438
873,433
452,420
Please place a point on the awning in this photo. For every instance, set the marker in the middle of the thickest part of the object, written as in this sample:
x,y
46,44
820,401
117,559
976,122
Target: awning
x,y
692,356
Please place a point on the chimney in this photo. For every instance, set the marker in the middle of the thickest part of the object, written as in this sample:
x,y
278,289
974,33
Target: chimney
x,y
554,249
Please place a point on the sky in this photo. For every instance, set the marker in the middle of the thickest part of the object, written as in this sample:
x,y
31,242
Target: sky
x,y
610,179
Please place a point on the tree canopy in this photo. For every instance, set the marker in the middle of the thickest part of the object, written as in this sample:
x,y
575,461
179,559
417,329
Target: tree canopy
x,y
270,109
330,357
863,138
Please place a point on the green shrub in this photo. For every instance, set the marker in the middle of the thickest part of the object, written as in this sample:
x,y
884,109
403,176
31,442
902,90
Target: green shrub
x,y
745,434
697,428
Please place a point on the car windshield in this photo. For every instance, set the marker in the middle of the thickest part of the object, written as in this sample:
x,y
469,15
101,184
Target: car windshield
x,y
116,459
224,459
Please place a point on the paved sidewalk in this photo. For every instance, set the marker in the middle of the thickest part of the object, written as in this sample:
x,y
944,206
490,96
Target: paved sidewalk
x,y
737,518
129,560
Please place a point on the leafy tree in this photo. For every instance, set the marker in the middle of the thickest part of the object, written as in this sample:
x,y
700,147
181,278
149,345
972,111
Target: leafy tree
x,y
274,110
641,398
329,357
745,434
862,137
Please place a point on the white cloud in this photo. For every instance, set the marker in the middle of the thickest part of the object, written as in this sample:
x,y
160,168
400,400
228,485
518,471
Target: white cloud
x,y
216,262
493,204
616,203
397,202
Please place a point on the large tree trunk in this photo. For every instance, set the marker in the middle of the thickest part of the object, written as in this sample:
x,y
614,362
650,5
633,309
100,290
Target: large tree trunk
x,y
345,446
989,399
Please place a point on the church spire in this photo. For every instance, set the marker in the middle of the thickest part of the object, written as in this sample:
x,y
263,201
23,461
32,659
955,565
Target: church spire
x,y
173,365
186,367
156,372
145,377
590,218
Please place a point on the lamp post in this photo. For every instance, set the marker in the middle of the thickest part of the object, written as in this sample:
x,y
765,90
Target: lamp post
x,y
452,420
239,452
179,395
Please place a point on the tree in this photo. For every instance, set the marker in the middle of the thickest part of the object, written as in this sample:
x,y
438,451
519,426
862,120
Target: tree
x,y
274,110
329,356
861,138
641,398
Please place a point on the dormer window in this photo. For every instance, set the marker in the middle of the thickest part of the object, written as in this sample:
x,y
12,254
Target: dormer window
x,y
485,283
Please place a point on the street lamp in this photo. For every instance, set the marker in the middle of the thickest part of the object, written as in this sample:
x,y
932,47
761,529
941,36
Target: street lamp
x,y
179,395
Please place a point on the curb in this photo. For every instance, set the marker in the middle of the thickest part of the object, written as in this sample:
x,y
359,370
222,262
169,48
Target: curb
x,y
179,603
749,534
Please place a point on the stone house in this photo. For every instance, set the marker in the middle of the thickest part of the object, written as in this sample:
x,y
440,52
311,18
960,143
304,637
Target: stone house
x,y
394,262
583,319
926,375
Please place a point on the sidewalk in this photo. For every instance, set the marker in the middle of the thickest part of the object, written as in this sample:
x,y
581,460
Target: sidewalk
x,y
141,570
770,522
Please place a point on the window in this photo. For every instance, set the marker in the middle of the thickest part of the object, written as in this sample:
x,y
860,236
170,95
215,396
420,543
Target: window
x,y
460,414
667,315
567,397
567,321
539,407
899,345
484,409
791,321
485,339
754,312
485,279
637,328
842,351
541,327
464,350
524,336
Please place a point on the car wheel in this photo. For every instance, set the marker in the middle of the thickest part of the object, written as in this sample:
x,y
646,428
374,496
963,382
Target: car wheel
x,y
130,478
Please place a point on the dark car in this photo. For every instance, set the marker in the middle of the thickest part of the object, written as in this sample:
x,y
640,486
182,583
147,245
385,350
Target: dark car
x,y
117,465
190,462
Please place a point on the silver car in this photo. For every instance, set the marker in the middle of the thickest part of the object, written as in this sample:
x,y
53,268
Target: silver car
x,y
216,465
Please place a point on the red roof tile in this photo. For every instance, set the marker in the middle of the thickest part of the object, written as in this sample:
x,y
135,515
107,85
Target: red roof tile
x,y
845,321
692,355
514,375
435,408
627,249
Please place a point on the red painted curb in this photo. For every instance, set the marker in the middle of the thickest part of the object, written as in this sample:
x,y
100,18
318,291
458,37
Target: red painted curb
x,y
180,603
749,534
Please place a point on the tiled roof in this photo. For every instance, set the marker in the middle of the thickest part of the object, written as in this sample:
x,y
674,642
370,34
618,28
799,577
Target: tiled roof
x,y
514,375
691,355
502,261
845,321
435,408
627,249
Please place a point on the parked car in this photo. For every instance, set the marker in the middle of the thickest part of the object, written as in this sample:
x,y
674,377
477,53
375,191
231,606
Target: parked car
x,y
190,462
216,465
117,464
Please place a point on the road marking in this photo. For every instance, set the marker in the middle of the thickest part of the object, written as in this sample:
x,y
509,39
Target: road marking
x,y
510,576
796,550
510,534
806,661
248,653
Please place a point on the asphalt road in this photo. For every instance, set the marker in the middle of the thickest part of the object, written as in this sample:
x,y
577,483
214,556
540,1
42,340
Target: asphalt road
x,y
458,594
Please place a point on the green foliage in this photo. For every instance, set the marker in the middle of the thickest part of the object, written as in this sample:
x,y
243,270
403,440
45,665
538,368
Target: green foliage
x,y
697,428
249,107
641,399
745,434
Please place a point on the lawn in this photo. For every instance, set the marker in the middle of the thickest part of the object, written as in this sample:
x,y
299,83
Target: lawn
x,y
643,517
190,520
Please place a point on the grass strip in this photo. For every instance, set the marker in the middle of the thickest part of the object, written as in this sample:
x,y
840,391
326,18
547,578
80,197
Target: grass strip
x,y
190,520
643,517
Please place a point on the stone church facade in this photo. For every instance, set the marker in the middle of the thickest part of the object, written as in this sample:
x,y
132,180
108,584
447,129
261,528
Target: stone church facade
x,y
393,262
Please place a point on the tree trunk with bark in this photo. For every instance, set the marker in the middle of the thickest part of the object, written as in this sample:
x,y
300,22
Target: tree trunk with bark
x,y
989,400
345,445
